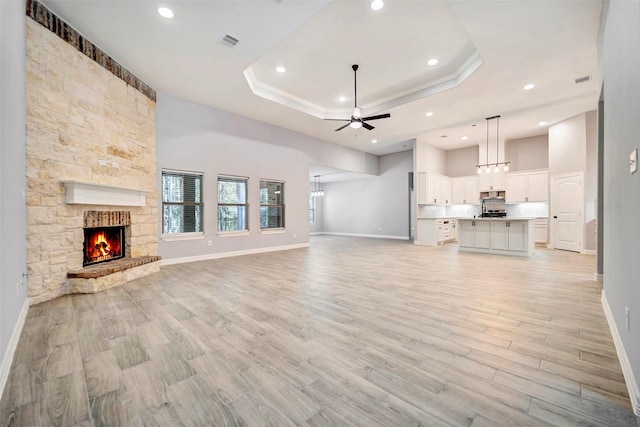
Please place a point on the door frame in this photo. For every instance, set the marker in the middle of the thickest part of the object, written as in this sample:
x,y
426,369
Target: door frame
x,y
552,225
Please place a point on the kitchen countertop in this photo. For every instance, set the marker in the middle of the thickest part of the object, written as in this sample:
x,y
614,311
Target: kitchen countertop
x,y
504,218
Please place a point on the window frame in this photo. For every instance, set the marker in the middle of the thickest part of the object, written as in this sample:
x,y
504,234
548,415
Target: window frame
x,y
282,206
185,235
246,205
312,209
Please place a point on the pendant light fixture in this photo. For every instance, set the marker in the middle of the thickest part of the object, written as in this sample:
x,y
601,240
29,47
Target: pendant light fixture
x,y
496,166
317,191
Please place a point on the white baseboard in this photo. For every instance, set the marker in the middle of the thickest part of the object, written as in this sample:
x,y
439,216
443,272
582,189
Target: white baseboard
x,y
206,257
7,358
375,236
589,251
627,371
598,277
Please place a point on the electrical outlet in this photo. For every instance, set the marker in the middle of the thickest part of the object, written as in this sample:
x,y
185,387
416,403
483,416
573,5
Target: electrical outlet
x,y
295,235
102,162
116,165
626,318
209,243
379,228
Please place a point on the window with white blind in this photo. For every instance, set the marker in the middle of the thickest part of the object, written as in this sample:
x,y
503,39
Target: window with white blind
x,y
312,210
182,206
232,204
271,205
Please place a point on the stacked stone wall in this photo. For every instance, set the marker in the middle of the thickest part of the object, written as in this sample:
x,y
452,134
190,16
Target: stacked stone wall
x,y
83,124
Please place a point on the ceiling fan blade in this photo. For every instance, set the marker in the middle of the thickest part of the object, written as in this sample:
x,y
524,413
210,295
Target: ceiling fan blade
x,y
339,120
380,116
367,126
342,127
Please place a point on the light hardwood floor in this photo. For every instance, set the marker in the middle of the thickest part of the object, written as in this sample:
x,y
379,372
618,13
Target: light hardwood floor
x,y
351,331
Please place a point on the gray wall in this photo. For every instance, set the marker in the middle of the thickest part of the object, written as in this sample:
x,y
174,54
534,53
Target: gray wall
x,y
13,243
193,137
591,181
371,206
528,153
461,162
622,190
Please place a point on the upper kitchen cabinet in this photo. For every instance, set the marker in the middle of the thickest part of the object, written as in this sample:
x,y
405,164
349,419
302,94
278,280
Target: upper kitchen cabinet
x,y
529,186
493,181
433,189
465,190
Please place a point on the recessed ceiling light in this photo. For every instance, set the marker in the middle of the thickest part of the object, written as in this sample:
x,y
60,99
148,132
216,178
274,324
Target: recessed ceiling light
x,y
529,86
464,138
165,12
432,61
281,69
377,4
542,123
374,141
429,114
342,98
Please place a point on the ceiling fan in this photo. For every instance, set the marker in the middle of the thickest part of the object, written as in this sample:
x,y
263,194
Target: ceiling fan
x,y
357,121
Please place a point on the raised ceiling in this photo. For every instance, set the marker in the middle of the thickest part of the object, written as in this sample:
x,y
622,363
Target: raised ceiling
x,y
487,51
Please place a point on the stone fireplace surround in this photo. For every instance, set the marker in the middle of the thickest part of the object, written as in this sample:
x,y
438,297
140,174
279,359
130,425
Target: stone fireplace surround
x,y
90,138
99,277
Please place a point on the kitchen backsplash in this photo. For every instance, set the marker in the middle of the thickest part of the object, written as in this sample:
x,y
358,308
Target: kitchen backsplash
x,y
529,210
521,210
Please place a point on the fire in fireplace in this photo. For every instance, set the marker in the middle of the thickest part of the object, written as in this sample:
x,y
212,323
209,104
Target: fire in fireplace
x,y
103,244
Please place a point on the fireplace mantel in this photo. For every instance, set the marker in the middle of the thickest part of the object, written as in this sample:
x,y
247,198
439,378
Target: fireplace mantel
x,y
87,193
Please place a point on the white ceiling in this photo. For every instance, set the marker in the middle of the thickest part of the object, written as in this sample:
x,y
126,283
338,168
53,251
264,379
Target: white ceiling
x,y
487,51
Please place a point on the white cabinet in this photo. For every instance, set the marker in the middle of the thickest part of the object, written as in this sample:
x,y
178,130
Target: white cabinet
x,y
509,235
493,181
433,189
498,236
527,187
541,230
464,190
474,234
435,231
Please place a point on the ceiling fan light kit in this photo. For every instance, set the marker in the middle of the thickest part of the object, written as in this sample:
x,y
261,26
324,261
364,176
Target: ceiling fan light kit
x,y
357,121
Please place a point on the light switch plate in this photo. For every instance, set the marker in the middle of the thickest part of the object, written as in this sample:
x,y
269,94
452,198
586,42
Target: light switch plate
x,y
633,161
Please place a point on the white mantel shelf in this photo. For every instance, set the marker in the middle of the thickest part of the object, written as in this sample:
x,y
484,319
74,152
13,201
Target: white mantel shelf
x,y
87,193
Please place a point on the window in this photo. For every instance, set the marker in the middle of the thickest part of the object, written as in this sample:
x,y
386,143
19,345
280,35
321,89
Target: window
x,y
232,204
312,209
271,204
182,205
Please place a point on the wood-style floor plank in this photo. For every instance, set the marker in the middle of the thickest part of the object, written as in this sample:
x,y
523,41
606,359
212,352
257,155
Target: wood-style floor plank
x,y
349,332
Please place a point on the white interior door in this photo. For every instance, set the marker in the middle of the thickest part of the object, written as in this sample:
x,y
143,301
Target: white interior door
x,y
567,205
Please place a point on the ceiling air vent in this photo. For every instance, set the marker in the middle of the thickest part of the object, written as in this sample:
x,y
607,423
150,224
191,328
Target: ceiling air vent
x,y
582,79
229,40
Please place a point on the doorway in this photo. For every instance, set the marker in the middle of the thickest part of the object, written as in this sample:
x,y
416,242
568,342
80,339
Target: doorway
x,y
567,216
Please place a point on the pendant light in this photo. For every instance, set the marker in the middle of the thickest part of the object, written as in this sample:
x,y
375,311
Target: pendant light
x,y
317,191
497,164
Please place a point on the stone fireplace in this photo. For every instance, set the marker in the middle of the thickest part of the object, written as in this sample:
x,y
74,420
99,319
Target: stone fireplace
x,y
91,162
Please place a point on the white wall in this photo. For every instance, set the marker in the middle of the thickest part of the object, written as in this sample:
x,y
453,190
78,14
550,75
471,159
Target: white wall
x,y
528,153
461,162
13,244
573,148
567,146
429,158
620,66
377,206
193,137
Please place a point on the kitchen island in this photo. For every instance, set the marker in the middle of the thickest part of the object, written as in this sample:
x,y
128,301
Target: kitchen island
x,y
502,236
